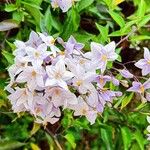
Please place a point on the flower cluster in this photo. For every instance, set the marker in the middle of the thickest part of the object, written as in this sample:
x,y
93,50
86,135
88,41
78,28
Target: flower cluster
x,y
50,75
64,5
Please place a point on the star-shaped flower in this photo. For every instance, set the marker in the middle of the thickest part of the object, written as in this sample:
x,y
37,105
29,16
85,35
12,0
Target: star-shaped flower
x,y
144,64
100,54
58,75
139,87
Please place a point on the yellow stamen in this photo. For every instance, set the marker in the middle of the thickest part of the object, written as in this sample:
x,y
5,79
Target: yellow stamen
x,y
104,57
142,89
58,75
37,54
79,82
82,61
52,41
148,62
33,73
101,81
84,111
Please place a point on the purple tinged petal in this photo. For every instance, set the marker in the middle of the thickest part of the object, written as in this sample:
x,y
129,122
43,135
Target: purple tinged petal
x,y
140,63
135,87
146,84
146,53
125,73
145,70
100,108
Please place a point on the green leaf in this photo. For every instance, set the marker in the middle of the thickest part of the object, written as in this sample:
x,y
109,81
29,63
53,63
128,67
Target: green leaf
x,y
10,7
34,146
47,20
9,57
10,145
103,31
141,8
82,4
8,25
55,22
144,20
118,33
18,16
140,139
30,3
106,135
119,20
127,137
70,138
140,38
35,13
72,23
126,100
35,128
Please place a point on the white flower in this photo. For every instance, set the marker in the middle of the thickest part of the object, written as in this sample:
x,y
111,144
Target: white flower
x,y
102,54
19,99
36,56
33,76
82,109
82,79
50,41
58,75
20,51
61,97
47,113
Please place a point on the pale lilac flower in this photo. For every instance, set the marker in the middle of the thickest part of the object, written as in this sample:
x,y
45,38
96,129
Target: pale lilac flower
x,y
58,75
102,54
34,40
50,41
101,80
19,99
148,96
54,4
36,56
125,73
139,87
60,97
148,128
82,109
144,64
107,96
20,49
71,46
46,112
92,97
65,5
33,76
115,81
82,80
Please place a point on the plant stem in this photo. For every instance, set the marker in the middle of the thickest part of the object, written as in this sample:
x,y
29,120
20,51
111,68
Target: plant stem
x,y
54,138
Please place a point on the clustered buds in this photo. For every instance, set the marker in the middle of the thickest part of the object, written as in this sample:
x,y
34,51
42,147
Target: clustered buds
x,y
50,75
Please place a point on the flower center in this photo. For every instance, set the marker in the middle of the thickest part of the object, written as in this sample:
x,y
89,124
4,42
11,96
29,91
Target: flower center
x,y
148,62
52,41
79,82
57,92
84,111
33,73
104,57
82,61
101,81
37,54
58,75
142,89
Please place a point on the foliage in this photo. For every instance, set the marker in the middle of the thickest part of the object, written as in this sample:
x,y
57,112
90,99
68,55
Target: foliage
x,y
122,125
